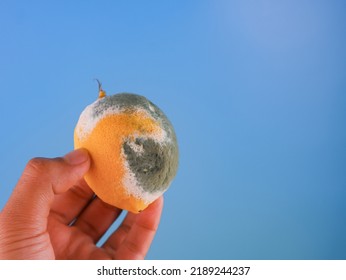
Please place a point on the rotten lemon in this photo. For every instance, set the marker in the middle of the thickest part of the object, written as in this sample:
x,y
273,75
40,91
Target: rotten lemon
x,y
133,149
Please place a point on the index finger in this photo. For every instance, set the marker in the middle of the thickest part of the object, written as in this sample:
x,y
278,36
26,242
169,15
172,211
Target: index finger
x,y
68,205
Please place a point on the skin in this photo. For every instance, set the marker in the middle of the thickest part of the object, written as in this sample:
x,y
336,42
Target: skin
x,y
53,214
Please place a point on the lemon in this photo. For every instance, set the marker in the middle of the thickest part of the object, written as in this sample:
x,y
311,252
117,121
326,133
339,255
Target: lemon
x,y
133,149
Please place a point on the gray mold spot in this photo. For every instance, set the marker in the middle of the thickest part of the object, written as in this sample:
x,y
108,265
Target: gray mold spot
x,y
121,100
156,166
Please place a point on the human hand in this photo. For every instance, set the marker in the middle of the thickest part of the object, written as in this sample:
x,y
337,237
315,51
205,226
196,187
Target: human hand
x,y
53,214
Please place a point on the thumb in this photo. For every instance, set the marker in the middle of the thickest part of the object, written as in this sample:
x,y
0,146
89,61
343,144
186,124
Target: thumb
x,y
30,202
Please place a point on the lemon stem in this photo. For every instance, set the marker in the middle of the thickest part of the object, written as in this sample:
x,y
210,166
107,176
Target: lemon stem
x,y
102,93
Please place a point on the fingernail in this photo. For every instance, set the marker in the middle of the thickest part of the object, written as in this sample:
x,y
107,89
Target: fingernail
x,y
77,157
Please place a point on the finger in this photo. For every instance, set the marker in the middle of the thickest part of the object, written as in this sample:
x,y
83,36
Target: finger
x,y
118,236
42,178
133,238
97,218
68,205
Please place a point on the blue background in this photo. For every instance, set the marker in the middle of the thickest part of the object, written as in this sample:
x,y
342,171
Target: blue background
x,y
255,90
